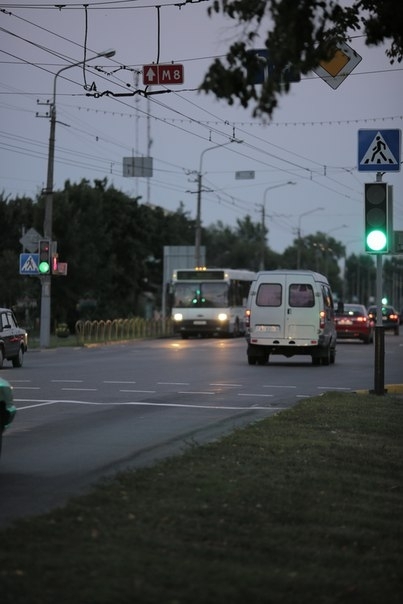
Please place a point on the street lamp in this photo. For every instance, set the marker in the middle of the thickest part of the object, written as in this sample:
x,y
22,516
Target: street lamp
x,y
44,336
199,194
299,233
263,242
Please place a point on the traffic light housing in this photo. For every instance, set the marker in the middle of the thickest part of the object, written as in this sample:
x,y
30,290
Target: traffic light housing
x,y
376,218
44,257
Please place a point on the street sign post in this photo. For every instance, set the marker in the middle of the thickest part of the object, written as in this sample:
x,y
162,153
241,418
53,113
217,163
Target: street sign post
x,y
167,74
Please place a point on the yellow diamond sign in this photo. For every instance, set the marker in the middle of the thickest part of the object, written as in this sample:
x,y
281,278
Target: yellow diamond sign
x,y
335,71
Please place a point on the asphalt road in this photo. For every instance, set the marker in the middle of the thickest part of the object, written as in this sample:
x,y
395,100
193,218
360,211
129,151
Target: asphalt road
x,y
86,413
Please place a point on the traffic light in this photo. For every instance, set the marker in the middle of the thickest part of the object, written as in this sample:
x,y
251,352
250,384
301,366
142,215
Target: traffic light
x,y
376,218
45,257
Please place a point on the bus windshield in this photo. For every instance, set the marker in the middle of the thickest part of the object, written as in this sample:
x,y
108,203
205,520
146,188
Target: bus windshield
x,y
196,295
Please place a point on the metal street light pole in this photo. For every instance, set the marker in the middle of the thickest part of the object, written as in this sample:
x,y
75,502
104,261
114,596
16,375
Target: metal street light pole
x,y
44,336
263,241
199,195
299,233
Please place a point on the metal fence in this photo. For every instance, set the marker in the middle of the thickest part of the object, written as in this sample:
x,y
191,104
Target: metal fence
x,y
91,332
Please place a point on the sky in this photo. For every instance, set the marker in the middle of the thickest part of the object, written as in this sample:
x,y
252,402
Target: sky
x,y
304,162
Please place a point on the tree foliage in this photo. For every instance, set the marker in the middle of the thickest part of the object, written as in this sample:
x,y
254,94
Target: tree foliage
x,y
298,33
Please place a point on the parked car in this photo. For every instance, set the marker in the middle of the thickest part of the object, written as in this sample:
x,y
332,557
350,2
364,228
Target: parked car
x,y
7,409
13,339
354,322
390,317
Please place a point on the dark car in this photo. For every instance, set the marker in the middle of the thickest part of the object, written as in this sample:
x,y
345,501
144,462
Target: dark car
x,y
353,322
7,409
390,317
13,339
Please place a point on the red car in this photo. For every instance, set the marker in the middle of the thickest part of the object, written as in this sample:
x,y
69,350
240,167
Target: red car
x,y
353,322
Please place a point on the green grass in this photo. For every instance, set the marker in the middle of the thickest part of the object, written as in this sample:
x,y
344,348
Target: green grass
x,y
304,507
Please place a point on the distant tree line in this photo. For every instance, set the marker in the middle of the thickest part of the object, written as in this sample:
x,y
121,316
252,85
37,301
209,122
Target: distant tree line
x,y
113,245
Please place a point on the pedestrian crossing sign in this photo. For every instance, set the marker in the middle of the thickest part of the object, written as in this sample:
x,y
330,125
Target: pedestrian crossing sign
x,y
379,150
29,264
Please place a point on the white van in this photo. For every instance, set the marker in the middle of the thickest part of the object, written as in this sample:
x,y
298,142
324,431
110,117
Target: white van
x,y
290,312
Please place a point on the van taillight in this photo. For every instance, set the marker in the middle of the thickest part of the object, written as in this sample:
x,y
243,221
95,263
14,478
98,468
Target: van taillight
x,y
322,316
247,317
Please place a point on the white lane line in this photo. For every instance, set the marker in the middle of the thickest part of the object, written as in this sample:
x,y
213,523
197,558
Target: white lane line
x,y
146,404
228,385
118,382
67,381
39,404
252,394
26,388
274,386
172,383
331,388
82,389
195,392
140,391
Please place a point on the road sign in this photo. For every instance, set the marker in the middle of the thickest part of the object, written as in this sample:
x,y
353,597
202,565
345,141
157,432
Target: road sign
x,y
267,68
170,73
335,71
30,240
379,150
245,175
29,264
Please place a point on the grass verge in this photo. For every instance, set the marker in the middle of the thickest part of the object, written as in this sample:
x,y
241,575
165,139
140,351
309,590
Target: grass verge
x,y
304,507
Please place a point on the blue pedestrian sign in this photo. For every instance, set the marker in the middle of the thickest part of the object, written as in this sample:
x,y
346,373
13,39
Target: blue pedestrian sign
x,y
29,264
379,150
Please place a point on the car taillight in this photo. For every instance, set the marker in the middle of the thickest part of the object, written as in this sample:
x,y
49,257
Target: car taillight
x,y
322,316
247,317
393,317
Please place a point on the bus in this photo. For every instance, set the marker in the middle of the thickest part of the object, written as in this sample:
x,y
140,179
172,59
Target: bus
x,y
210,302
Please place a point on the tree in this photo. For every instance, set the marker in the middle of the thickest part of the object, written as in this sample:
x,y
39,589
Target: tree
x,y
302,34
234,248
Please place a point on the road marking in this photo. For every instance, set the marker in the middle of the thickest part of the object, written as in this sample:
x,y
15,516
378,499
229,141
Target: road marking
x,y
228,385
331,388
251,394
117,382
67,381
146,404
26,388
138,391
82,389
172,383
274,386
194,392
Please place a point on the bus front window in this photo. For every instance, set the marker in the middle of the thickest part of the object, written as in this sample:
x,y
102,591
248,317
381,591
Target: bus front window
x,y
206,295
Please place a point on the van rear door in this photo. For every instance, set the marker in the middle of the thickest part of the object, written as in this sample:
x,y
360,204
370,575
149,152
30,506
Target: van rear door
x,y
286,308
302,314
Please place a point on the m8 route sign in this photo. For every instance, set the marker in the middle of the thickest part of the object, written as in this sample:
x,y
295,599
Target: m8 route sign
x,y
167,74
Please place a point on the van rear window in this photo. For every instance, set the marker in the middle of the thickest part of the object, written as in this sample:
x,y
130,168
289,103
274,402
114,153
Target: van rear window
x,y
269,294
301,295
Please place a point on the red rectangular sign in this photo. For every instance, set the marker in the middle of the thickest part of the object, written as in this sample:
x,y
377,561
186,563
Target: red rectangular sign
x,y
170,73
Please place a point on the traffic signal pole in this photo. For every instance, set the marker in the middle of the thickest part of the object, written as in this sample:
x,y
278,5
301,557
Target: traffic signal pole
x,y
379,373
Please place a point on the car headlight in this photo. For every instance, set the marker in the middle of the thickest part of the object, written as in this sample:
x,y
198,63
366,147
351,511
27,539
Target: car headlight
x,y
223,316
178,316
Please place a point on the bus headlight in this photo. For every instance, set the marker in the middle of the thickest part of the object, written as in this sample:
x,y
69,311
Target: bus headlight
x,y
178,316
223,316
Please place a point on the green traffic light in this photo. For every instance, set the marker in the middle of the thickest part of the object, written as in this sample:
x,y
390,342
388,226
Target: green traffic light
x,y
376,240
44,268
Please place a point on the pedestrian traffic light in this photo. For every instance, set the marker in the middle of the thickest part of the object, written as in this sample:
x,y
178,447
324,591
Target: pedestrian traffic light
x,y
376,218
45,257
